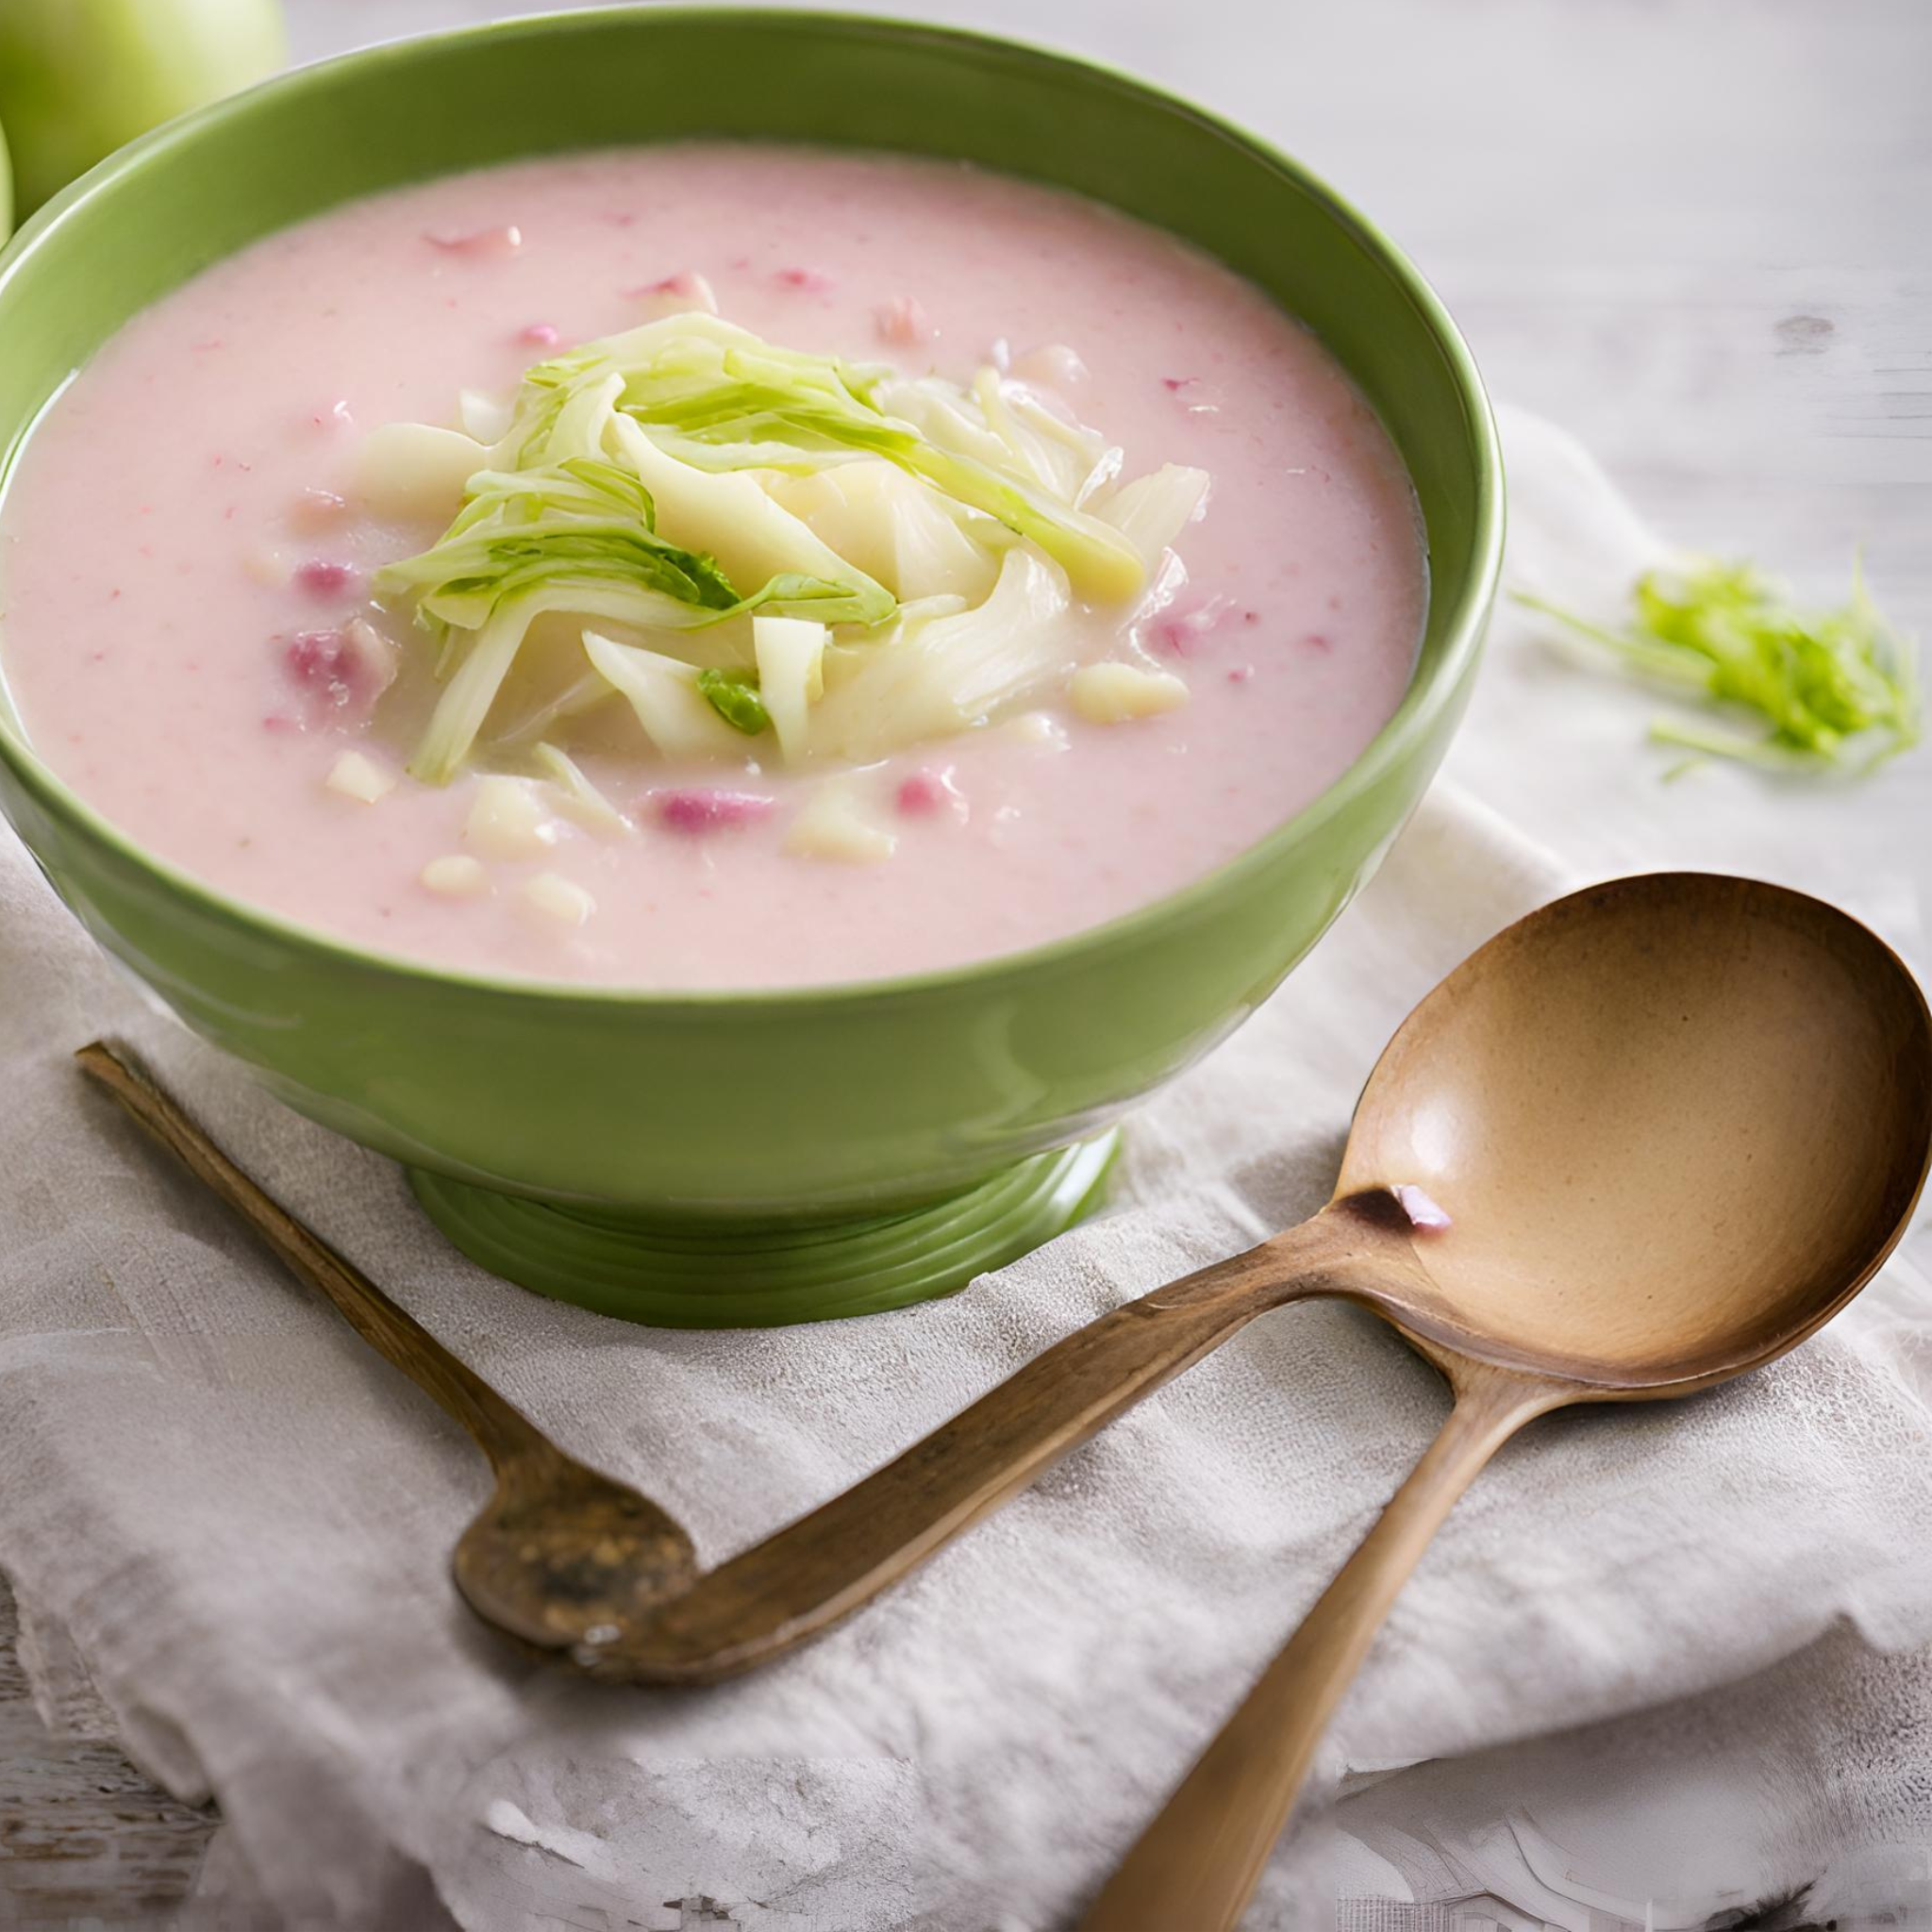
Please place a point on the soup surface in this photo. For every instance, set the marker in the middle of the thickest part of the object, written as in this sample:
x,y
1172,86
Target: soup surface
x,y
191,534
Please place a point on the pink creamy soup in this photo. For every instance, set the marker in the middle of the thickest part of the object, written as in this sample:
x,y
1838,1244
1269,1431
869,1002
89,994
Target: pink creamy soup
x,y
169,531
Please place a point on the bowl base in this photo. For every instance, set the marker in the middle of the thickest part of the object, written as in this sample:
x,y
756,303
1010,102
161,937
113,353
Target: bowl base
x,y
687,1274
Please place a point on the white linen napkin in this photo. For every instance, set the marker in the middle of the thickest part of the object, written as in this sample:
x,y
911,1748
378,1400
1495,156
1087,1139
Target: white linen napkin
x,y
232,1523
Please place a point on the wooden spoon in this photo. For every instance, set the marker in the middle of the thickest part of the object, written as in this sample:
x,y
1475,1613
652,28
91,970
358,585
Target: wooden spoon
x,y
1676,1122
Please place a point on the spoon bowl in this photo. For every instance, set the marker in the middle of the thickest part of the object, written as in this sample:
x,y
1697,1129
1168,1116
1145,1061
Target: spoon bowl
x,y
566,1559
1676,1122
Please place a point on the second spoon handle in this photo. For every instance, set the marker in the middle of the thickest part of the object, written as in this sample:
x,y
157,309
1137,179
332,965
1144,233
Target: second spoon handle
x,y
1200,1859
827,1564
500,1430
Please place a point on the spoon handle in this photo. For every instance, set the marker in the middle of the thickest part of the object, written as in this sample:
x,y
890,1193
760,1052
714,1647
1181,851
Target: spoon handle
x,y
502,1432
825,1565
1200,1859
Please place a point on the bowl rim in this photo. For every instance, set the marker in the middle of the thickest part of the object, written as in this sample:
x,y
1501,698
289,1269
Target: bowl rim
x,y
1427,693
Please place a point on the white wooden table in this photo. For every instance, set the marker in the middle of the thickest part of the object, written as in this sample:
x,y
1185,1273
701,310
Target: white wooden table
x,y
1698,231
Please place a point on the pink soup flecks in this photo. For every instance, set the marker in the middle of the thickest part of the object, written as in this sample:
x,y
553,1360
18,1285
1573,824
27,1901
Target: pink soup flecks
x,y
159,564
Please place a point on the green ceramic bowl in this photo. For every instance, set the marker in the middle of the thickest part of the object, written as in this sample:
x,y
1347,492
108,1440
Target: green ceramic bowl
x,y
753,1157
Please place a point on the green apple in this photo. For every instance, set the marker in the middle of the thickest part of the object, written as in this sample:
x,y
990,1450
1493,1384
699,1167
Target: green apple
x,y
79,77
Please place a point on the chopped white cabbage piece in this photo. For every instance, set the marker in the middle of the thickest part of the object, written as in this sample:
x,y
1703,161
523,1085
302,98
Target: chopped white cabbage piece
x,y
663,691
1118,693
1058,453
896,529
729,515
581,799
1151,511
1039,729
791,676
931,678
835,823
470,689
416,470
1052,365
485,418
359,777
457,876
558,898
508,817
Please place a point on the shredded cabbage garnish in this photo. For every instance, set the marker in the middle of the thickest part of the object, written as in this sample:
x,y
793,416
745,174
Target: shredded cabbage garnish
x,y
665,485
1837,689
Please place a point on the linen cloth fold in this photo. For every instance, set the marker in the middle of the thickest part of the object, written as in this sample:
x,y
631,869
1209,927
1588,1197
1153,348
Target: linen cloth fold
x,y
224,1514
